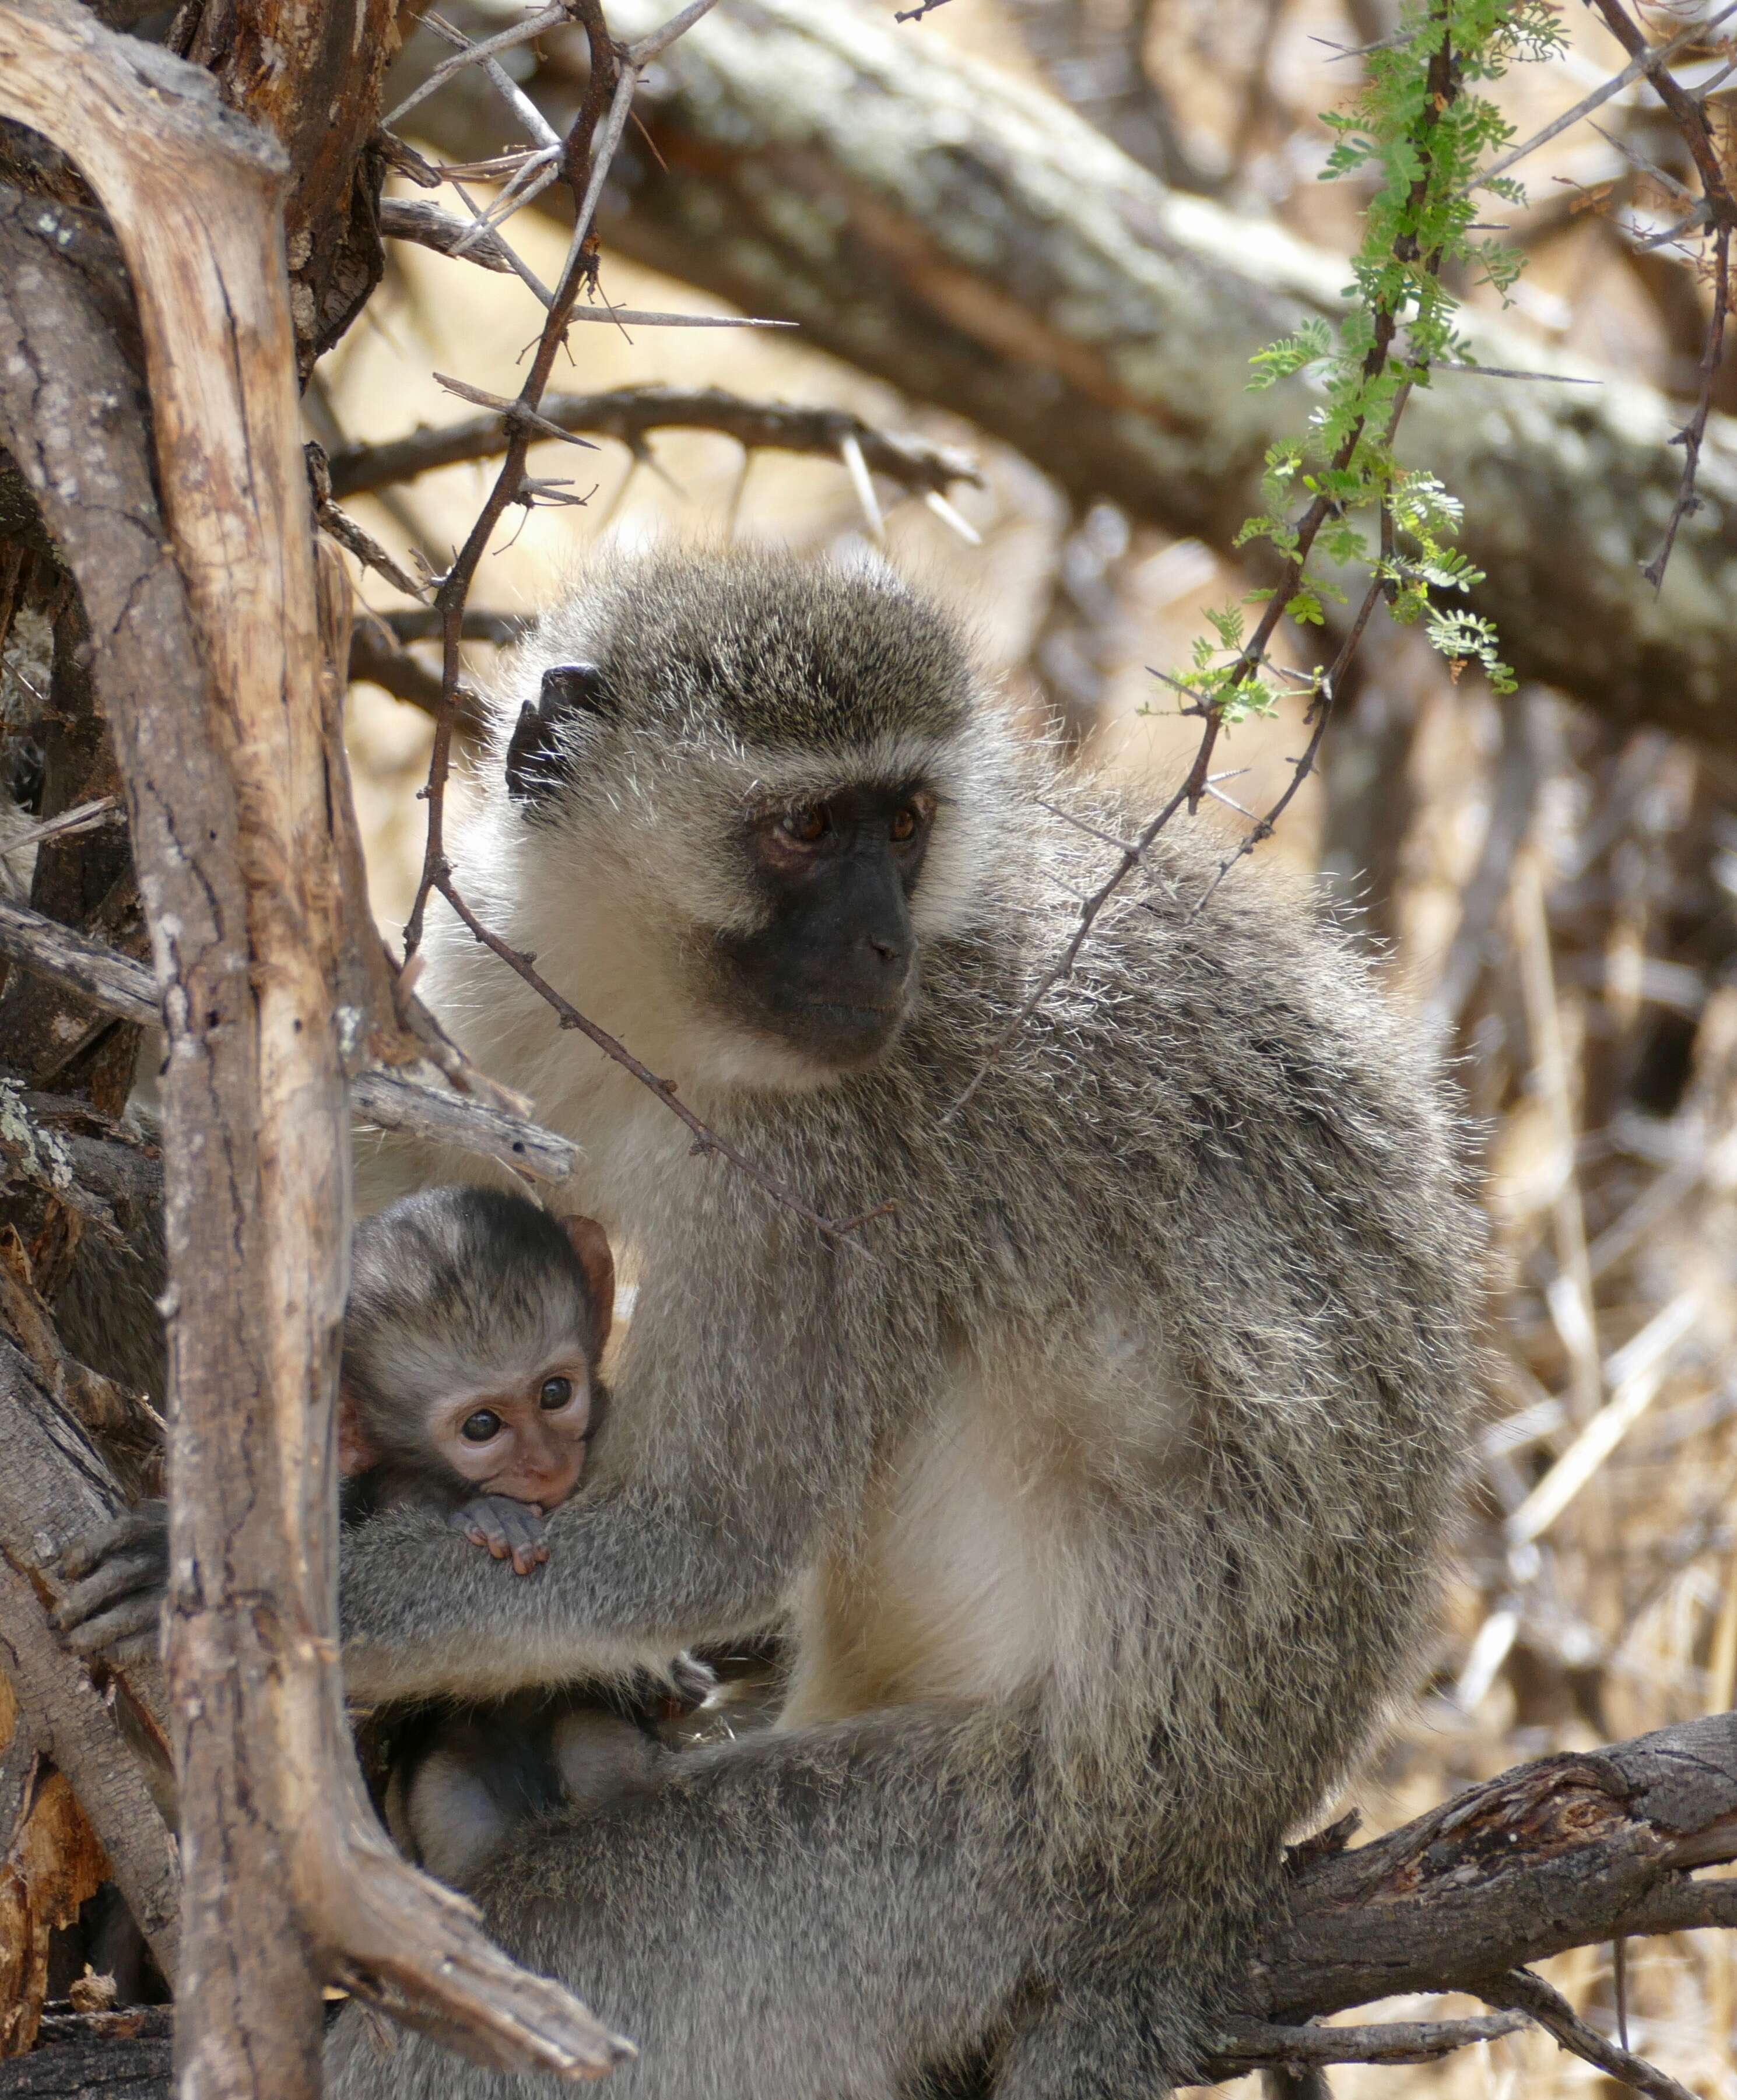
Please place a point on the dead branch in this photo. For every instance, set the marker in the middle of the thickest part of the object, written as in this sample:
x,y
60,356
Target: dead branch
x,y
410,219
628,413
1007,262
1716,209
1560,1853
394,1100
1244,2046
232,797
53,1488
1530,1994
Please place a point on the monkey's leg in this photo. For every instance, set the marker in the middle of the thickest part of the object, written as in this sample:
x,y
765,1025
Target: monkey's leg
x,y
1134,2031
803,1917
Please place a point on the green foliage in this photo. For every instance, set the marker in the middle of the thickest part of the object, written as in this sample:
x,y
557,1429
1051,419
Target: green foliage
x,y
1416,130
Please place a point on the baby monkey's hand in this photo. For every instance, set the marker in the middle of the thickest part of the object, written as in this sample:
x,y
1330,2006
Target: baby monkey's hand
x,y
512,1531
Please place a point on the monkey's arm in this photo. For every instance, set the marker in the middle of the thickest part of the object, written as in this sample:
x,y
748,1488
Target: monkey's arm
x,y
632,1576
732,1451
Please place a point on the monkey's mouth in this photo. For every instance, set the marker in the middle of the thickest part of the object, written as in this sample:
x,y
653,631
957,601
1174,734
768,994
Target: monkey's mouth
x,y
844,1035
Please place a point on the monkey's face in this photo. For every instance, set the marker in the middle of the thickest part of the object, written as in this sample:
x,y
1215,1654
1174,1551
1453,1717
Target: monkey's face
x,y
524,1436
749,791
830,971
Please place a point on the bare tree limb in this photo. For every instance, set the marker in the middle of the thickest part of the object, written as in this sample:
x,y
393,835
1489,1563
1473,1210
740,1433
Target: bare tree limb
x,y
54,1487
628,413
232,799
935,223
1530,1994
1246,2044
395,1100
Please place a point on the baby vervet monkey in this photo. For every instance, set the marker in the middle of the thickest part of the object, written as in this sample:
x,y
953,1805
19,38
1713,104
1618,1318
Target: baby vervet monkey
x,y
469,1384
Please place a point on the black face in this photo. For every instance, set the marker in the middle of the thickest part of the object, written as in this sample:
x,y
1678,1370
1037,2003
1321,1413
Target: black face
x,y
832,972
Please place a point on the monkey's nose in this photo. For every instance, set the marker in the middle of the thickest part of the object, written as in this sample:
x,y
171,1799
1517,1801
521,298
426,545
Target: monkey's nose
x,y
889,952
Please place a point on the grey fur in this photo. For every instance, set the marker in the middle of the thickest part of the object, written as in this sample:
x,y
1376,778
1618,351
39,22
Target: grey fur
x,y
1103,1489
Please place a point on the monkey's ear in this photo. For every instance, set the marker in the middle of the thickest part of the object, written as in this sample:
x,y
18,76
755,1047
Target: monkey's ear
x,y
533,754
592,1244
355,1454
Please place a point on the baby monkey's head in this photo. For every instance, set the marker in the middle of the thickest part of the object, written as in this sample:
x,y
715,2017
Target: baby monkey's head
x,y
471,1340
754,788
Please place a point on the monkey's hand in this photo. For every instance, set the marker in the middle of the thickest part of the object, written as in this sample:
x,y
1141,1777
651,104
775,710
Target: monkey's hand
x,y
118,1577
512,1531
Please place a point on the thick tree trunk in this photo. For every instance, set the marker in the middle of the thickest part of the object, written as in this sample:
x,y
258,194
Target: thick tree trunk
x,y
982,248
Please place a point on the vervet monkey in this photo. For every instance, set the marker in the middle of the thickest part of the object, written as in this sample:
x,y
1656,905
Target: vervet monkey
x,y
469,1388
1100,1488
470,1385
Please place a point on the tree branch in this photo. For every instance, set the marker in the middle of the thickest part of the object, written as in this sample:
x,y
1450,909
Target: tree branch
x,y
394,1100
628,413
240,845
1004,260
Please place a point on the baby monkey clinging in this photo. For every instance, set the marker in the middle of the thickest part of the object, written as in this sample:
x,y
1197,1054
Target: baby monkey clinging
x,y
470,1384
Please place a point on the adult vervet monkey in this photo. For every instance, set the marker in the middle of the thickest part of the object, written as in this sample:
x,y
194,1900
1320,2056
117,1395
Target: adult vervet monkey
x,y
1100,1490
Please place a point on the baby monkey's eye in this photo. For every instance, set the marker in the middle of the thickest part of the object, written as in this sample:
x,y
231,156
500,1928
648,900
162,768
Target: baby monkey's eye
x,y
807,825
556,1392
907,822
479,1427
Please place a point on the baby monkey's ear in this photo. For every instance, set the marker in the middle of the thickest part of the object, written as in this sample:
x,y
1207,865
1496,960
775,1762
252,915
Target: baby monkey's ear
x,y
592,1244
533,754
355,1452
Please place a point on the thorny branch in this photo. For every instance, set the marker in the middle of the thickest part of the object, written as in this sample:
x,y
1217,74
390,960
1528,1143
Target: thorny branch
x,y
1444,83
1716,208
589,146
628,413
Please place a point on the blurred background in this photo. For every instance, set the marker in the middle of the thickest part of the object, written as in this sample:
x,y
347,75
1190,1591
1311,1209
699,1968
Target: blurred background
x,y
1557,892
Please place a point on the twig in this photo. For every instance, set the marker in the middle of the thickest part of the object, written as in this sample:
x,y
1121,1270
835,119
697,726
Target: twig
x,y
507,40
628,413
1519,1990
116,984
1245,2043
413,218
1443,85
705,1139
658,41
86,817
605,81
1694,432
1720,211
1647,61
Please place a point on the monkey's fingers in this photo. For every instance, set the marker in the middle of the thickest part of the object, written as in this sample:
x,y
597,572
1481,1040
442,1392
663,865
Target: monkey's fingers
x,y
144,1528
127,1633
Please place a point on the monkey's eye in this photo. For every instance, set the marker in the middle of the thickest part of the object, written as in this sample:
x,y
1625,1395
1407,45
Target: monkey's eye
x,y
907,822
479,1427
556,1392
807,827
